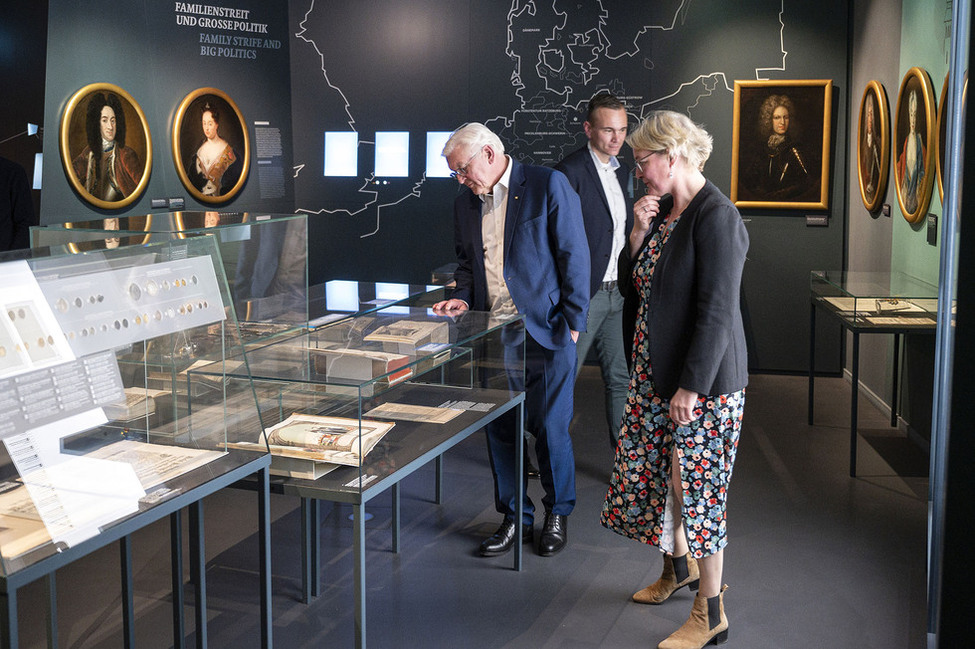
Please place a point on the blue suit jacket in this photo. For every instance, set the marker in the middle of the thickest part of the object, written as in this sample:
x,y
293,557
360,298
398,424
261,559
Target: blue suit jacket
x,y
546,257
584,178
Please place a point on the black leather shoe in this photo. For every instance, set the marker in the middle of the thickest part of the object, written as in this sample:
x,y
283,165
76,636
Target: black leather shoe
x,y
554,534
502,540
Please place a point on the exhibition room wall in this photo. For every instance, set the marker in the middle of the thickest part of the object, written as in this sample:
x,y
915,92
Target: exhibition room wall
x,y
877,242
159,53
428,65
423,66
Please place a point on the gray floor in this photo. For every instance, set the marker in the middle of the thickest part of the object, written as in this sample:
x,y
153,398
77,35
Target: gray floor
x,y
816,559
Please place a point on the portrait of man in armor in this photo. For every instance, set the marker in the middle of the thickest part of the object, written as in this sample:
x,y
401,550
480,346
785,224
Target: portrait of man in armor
x,y
105,146
779,145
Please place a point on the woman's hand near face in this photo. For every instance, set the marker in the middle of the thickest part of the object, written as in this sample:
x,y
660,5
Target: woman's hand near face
x,y
644,211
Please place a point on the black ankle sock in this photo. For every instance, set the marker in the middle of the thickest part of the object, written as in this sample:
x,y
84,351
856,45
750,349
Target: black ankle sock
x,y
680,568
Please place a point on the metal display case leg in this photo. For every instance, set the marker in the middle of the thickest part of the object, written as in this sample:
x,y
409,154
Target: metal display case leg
x,y
854,404
198,571
359,572
50,583
438,485
896,381
307,575
311,554
519,479
8,625
176,559
128,606
396,520
812,360
264,553
316,548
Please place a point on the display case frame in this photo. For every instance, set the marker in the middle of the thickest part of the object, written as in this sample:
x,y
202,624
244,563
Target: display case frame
x,y
478,360
264,257
862,302
92,456
268,305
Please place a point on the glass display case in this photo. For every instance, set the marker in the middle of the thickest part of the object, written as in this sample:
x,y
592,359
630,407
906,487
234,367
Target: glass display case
x,y
265,260
348,404
889,303
99,420
876,299
264,257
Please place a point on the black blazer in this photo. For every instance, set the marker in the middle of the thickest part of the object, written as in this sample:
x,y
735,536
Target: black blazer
x,y
584,178
697,339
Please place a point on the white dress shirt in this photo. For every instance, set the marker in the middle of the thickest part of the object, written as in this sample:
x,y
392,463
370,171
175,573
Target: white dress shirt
x,y
617,207
492,233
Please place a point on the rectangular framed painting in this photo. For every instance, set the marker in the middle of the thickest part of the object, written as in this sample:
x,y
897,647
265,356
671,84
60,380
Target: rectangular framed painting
x,y
780,146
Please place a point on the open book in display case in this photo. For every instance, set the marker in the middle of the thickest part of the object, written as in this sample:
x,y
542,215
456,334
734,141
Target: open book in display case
x,y
347,404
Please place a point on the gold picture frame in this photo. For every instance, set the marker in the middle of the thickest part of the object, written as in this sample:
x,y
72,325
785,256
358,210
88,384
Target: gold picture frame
x,y
211,146
97,114
780,144
873,146
942,137
915,149
943,118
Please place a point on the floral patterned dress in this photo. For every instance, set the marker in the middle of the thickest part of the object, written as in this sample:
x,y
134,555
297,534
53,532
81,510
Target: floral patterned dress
x,y
636,504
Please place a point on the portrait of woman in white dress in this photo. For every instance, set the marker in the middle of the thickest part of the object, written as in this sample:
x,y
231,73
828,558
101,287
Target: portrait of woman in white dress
x,y
915,133
211,146
215,166
910,162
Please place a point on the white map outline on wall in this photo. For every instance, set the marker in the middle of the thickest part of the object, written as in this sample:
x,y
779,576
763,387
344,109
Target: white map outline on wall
x,y
550,60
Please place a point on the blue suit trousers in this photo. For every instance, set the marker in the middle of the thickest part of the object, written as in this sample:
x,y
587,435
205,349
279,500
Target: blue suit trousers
x,y
548,384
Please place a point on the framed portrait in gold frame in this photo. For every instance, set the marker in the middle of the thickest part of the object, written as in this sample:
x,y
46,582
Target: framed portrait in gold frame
x,y
780,144
211,146
106,147
915,149
943,118
942,138
873,146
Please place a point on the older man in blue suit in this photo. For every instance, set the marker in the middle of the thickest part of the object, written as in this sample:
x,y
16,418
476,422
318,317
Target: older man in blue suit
x,y
607,209
521,249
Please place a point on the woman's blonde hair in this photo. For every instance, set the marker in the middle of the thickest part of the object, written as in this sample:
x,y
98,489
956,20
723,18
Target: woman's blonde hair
x,y
675,133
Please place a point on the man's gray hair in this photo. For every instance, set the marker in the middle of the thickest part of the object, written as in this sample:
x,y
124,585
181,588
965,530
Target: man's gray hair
x,y
472,136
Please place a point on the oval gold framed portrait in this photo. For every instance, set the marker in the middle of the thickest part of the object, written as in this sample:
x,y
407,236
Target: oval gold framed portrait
x,y
211,147
916,148
943,118
942,137
101,117
873,146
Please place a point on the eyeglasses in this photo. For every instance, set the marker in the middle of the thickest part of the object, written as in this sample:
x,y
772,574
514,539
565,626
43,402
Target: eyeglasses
x,y
639,163
463,170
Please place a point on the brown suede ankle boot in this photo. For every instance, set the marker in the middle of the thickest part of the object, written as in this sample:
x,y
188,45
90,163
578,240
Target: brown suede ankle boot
x,y
706,625
677,573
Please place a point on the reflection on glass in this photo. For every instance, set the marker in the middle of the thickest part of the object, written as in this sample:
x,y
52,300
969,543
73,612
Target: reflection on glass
x,y
341,295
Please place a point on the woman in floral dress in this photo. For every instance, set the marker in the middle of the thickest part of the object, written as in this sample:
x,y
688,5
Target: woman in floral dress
x,y
680,275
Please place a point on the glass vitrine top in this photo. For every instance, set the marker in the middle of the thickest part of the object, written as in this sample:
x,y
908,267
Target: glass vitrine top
x,y
874,284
